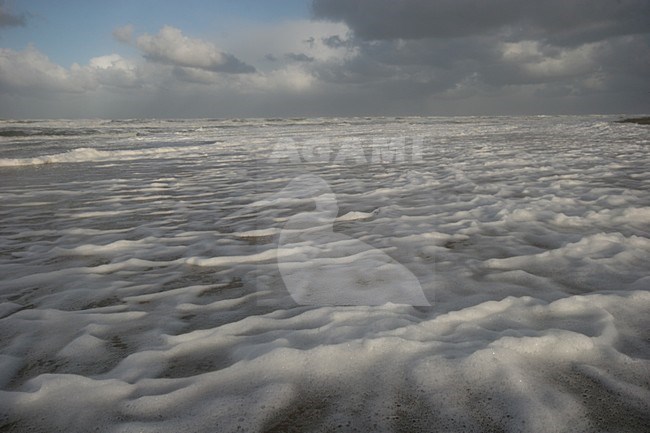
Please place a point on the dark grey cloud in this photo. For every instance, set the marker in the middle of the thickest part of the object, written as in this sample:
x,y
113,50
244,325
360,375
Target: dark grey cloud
x,y
310,41
299,57
335,41
409,69
562,21
9,19
232,65
565,51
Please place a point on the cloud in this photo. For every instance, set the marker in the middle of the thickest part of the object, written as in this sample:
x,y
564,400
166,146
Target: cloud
x,y
515,63
8,19
299,57
175,76
31,72
257,41
123,34
335,41
560,21
171,47
195,75
113,70
543,63
508,50
289,80
171,62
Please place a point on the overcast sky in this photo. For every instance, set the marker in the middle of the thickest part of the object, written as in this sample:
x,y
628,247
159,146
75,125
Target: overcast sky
x,y
257,58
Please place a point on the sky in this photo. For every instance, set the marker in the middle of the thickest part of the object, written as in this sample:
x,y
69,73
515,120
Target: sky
x,y
302,58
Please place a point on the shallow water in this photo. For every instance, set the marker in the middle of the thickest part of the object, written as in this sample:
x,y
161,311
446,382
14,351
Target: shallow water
x,y
143,281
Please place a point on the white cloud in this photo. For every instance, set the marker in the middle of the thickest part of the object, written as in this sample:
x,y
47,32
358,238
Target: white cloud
x,y
113,70
175,63
540,62
291,79
111,61
277,49
30,71
255,41
198,62
170,46
194,75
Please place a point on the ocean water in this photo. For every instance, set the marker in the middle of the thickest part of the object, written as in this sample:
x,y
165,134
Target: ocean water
x,y
465,274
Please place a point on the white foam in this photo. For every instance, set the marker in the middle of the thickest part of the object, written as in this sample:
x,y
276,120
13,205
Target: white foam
x,y
355,215
150,294
85,154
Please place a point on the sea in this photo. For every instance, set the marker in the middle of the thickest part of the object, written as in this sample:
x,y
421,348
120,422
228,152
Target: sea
x,y
370,274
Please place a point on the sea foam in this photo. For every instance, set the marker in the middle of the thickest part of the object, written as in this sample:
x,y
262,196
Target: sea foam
x,y
145,276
